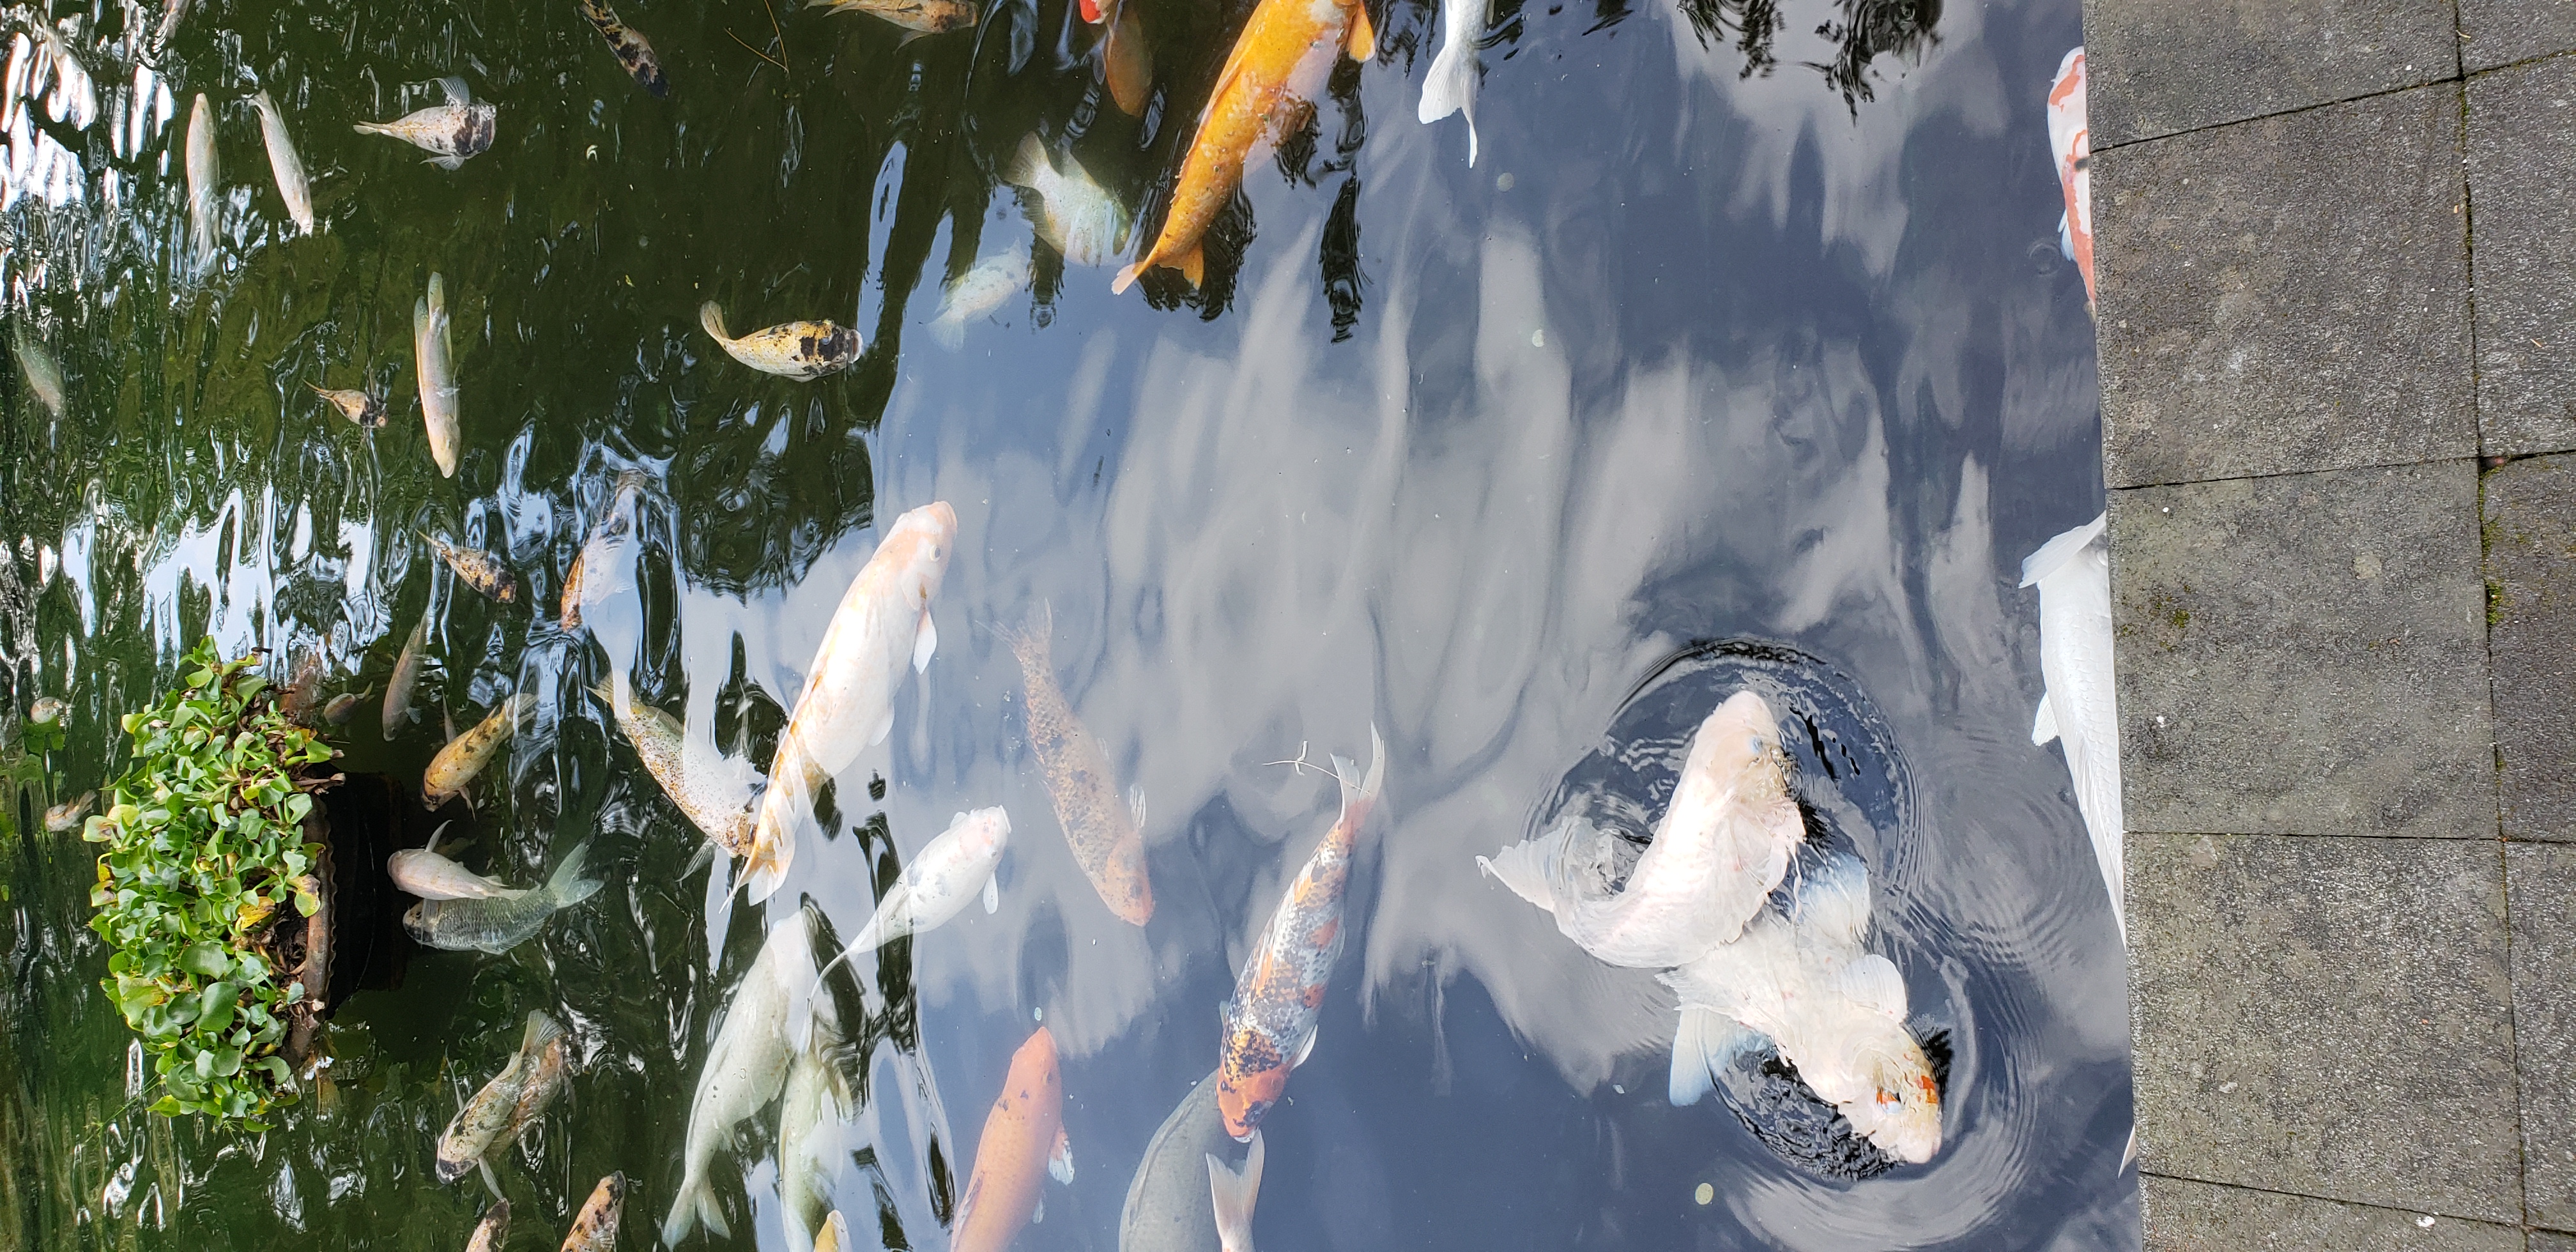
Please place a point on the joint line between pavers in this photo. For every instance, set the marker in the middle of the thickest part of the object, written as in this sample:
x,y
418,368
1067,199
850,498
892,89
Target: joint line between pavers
x,y
2454,77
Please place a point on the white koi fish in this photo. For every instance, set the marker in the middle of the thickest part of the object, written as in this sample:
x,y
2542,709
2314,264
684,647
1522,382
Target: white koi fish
x,y
284,163
203,176
745,1067
848,701
2081,708
434,358
951,870
1805,987
1724,843
1450,87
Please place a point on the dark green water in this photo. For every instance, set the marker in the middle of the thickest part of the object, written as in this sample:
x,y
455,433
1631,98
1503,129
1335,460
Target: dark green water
x,y
1747,324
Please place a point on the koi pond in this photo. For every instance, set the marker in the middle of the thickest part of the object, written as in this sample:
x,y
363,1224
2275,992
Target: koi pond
x,y
1054,624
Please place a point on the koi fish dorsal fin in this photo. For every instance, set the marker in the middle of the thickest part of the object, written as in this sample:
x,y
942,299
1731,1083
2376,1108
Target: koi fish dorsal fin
x,y
1363,40
1873,983
2043,727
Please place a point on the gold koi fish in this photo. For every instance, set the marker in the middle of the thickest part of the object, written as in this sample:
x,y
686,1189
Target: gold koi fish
x,y
1276,68
466,755
481,570
477,1127
800,350
1106,832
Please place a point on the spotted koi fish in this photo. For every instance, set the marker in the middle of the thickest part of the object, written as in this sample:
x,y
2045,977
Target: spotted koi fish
x,y
449,132
594,1229
628,47
1270,1022
481,570
801,350
356,405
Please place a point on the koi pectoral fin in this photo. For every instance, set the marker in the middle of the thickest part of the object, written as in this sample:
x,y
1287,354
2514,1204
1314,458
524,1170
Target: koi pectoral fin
x,y
992,894
1363,40
1060,1161
924,643
1193,264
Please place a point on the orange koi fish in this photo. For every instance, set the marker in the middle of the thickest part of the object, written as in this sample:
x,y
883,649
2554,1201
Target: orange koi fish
x,y
1023,1141
2071,138
1277,67
1270,1022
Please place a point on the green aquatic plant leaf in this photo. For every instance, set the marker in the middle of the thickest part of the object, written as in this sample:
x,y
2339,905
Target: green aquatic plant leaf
x,y
201,842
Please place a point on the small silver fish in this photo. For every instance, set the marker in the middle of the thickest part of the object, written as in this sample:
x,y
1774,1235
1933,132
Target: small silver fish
x,y
66,816
45,711
496,926
1074,215
449,132
477,1127
921,17
434,360
630,48
203,175
481,570
493,1231
357,406
426,874
464,756
978,292
595,1229
44,373
406,674
284,164
801,350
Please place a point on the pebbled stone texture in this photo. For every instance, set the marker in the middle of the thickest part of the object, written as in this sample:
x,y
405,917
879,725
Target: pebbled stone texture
x,y
2540,881
2326,1017
2522,181
2286,295
2548,1241
2493,32
2187,1216
2304,654
2161,67
2531,639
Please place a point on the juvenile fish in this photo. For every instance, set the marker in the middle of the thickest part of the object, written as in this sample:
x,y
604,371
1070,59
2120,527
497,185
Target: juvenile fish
x,y
848,700
800,350
406,675
448,132
465,756
66,816
977,292
595,1228
481,570
921,17
2081,707
434,363
355,405
715,792
1168,1207
44,373
952,869
1074,214
745,1067
203,175
425,873
1270,1021
1105,831
1023,1142
1724,843
477,1127
498,925
1450,87
284,164
629,47
491,1233
343,707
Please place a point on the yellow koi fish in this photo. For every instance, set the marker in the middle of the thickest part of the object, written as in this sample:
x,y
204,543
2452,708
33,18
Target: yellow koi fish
x,y
800,350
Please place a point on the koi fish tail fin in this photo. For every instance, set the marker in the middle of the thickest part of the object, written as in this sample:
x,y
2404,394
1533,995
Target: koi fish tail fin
x,y
1358,798
694,1207
1532,868
541,1031
712,318
1127,277
1834,901
1029,165
2055,553
1704,1045
950,330
1234,1193
372,128
1032,641
773,834
1123,61
1450,87
566,884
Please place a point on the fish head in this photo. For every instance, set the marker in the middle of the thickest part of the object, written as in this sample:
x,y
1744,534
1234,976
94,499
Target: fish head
x,y
1742,740
920,543
984,833
1250,1081
416,923
1901,1112
452,1168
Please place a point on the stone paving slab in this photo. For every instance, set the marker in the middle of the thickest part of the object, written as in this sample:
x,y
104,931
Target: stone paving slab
x,y
2522,181
2540,881
2161,67
2325,1016
2285,295
2304,654
2187,1216
2550,1241
2494,32
2530,509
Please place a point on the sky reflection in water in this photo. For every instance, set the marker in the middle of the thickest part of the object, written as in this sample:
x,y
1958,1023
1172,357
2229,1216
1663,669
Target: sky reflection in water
x,y
1691,354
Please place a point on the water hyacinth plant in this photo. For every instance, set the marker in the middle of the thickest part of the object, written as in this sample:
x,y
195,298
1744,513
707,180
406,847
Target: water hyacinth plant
x,y
204,845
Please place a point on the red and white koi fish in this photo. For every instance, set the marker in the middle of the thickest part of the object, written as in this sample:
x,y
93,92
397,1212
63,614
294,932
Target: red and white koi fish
x,y
1023,1143
2072,140
848,701
1270,1022
1123,63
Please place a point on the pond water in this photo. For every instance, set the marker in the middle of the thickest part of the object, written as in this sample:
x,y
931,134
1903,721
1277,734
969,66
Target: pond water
x,y
1743,356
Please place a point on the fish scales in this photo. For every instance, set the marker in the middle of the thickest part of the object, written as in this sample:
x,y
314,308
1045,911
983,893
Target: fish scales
x,y
1023,1140
594,1229
1168,1207
477,1127
481,570
1081,783
708,792
458,762
633,52
502,923
450,132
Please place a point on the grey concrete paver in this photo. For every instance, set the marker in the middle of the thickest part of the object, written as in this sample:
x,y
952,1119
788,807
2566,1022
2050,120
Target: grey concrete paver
x,y
2522,169
2286,295
2493,32
2530,509
2161,67
2325,1016
2304,654
2540,882
2187,1216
